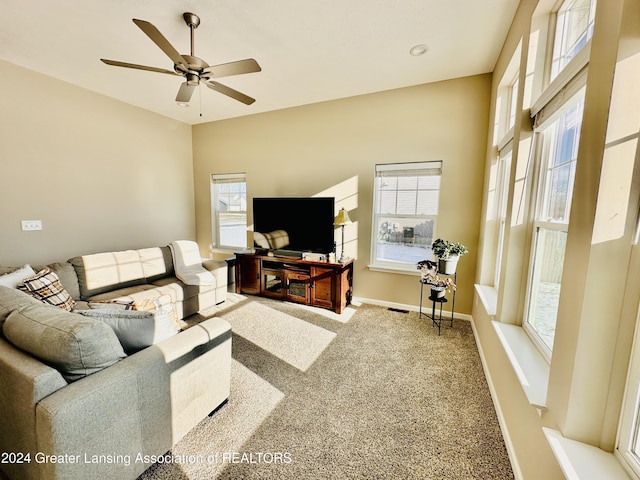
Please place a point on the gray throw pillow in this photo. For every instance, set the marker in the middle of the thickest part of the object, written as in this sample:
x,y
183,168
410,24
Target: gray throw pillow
x,y
136,329
75,345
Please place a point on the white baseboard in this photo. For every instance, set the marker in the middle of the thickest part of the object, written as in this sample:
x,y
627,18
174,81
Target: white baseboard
x,y
411,308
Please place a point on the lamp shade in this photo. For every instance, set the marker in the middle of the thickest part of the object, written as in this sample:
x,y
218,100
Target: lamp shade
x,y
342,218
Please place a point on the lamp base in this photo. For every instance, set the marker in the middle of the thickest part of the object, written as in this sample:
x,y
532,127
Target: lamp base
x,y
343,258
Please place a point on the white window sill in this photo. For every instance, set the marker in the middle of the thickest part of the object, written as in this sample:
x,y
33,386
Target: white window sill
x,y
527,362
580,461
488,296
394,269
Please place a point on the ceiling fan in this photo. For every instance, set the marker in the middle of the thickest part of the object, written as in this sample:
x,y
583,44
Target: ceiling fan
x,y
192,68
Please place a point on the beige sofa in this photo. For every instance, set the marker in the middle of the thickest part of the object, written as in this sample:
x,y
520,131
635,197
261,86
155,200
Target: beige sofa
x,y
74,405
146,273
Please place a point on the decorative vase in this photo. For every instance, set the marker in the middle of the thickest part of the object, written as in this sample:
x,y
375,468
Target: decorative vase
x,y
448,266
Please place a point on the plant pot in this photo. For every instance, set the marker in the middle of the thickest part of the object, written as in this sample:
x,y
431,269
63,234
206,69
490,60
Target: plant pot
x,y
448,266
437,292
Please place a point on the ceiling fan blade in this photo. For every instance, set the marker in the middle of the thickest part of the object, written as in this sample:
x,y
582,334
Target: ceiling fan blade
x,y
138,67
185,92
154,34
230,92
232,68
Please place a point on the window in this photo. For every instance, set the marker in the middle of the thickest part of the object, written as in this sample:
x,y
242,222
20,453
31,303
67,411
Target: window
x,y
574,28
229,210
405,200
560,141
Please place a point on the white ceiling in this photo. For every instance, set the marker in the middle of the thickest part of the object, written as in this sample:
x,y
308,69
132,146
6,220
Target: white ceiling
x,y
310,51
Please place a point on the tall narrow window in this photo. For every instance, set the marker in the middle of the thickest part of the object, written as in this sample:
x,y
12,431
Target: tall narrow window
x,y
405,200
574,28
229,210
560,141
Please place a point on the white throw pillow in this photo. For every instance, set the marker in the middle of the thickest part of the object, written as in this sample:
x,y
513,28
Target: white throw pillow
x,y
12,279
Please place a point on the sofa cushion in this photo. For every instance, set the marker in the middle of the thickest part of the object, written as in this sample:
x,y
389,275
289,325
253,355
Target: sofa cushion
x,y
13,279
103,272
156,262
136,329
46,287
75,345
13,299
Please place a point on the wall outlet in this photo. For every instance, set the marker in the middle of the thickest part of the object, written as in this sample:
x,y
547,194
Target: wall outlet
x,y
31,225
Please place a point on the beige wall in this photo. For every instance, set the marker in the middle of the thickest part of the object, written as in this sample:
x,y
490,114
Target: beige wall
x,y
332,147
100,174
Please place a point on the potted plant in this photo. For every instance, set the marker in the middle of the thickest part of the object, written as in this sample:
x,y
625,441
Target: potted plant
x,y
448,254
439,285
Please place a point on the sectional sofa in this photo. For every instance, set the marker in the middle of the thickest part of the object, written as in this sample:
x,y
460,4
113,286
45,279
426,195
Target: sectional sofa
x,y
78,400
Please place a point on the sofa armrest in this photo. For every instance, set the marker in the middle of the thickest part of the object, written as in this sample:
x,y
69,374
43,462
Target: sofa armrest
x,y
213,265
25,381
219,270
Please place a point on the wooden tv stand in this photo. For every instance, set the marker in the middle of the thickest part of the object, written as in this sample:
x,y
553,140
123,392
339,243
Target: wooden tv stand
x,y
321,284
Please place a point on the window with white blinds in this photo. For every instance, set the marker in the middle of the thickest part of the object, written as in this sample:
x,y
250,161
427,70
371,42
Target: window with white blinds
x,y
406,197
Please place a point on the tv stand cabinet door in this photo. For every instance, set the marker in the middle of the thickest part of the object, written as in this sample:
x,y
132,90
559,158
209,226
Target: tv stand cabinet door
x,y
323,287
297,286
247,275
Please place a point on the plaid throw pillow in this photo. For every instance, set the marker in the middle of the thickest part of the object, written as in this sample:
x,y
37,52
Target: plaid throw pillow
x,y
46,287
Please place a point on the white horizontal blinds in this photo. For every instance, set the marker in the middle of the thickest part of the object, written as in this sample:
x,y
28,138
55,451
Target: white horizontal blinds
x,y
546,108
228,177
408,188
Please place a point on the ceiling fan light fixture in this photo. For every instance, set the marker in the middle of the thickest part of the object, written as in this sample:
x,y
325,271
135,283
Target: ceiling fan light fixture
x,y
182,104
418,50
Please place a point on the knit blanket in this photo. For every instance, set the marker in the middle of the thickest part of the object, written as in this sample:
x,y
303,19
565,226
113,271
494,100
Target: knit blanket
x,y
187,263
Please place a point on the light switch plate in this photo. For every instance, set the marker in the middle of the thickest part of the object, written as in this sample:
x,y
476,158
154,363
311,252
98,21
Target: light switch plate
x,y
31,225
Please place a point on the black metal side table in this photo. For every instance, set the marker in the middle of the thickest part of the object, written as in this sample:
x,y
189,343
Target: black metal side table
x,y
435,320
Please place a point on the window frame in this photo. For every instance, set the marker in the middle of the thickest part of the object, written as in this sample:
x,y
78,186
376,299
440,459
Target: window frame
x,y
558,62
505,161
217,214
408,266
544,153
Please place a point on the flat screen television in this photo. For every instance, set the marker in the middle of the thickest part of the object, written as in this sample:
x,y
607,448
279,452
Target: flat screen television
x,y
308,221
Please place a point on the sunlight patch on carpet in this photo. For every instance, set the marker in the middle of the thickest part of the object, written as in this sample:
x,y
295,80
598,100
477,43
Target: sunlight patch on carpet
x,y
289,338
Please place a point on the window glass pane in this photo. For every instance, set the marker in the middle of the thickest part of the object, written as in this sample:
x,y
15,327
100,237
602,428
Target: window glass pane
x,y
387,202
403,240
406,206
233,229
574,28
545,285
427,202
407,202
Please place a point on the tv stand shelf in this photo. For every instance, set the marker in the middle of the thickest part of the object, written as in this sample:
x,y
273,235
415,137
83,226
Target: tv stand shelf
x,y
321,284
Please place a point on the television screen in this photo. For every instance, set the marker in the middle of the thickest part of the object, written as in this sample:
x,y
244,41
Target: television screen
x,y
308,221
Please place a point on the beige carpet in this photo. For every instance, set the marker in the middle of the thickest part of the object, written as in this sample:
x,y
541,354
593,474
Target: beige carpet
x,y
371,394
